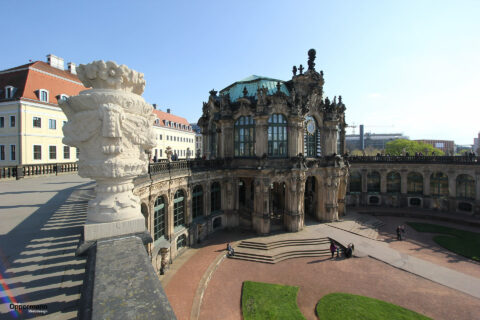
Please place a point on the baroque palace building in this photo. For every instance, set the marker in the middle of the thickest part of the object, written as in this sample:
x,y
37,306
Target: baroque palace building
x,y
273,158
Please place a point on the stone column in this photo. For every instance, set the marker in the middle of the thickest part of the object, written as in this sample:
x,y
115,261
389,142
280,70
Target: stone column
x,y
260,216
111,124
330,134
261,136
295,136
188,206
294,204
169,220
208,199
383,181
427,201
452,191
403,187
227,138
363,199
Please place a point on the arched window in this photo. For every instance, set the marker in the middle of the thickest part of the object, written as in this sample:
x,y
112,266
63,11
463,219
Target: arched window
x,y
277,136
356,182
197,202
439,184
465,187
244,141
179,208
215,197
414,183
373,182
393,182
159,218
311,138
213,140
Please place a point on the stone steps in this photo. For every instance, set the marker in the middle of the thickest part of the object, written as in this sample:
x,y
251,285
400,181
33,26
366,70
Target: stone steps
x,y
275,251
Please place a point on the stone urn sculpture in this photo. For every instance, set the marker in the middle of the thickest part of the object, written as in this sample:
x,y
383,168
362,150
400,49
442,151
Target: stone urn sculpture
x,y
111,124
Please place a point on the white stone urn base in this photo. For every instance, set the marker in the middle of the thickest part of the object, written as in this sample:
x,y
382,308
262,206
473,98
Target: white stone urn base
x,y
101,230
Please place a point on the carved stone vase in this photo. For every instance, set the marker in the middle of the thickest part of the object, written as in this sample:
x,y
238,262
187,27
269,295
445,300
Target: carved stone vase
x,y
111,124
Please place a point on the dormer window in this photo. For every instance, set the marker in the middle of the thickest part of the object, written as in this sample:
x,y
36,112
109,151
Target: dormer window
x,y
63,97
43,95
9,92
157,121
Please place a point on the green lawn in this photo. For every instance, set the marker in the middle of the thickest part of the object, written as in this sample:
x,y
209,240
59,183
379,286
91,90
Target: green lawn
x,y
344,306
464,243
269,301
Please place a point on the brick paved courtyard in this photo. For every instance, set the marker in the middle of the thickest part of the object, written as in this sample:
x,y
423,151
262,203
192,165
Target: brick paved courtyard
x,y
318,276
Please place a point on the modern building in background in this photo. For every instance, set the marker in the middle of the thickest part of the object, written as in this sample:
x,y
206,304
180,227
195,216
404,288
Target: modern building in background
x,y
174,132
198,140
447,146
30,118
373,140
476,144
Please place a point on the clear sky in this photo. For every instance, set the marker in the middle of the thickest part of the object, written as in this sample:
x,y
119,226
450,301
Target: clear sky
x,y
400,66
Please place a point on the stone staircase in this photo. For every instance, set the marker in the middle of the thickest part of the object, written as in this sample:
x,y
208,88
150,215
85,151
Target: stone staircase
x,y
363,225
282,249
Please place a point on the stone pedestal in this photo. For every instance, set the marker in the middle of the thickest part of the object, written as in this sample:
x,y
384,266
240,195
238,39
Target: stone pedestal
x,y
111,124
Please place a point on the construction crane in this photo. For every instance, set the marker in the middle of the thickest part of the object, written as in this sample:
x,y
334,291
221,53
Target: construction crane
x,y
354,126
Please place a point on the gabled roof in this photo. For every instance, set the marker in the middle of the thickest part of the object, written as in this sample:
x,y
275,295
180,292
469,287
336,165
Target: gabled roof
x,y
252,84
162,116
27,79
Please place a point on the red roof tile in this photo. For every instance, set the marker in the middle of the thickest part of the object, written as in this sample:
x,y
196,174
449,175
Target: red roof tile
x,y
31,77
162,116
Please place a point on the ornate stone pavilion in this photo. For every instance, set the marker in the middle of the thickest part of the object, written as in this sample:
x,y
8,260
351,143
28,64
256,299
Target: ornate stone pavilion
x,y
272,157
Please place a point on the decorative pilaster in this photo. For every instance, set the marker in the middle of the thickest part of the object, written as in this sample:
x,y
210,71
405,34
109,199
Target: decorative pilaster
x,y
111,124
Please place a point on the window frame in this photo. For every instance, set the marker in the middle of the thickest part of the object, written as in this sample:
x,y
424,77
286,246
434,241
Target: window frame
x,y
50,152
54,121
14,118
3,156
179,208
39,152
215,197
13,151
66,148
9,92
159,218
244,137
35,120
40,95
197,201
277,135
2,122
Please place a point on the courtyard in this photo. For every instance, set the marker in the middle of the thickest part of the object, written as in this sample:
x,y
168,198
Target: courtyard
x,y
201,284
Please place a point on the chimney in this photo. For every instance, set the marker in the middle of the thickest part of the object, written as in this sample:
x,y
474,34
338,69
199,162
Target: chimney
x,y
55,61
155,106
72,67
168,110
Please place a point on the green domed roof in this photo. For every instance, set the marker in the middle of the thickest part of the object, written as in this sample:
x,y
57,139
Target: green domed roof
x,y
252,84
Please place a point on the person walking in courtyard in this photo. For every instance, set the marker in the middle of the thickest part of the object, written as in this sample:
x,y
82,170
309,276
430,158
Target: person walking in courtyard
x,y
399,233
333,248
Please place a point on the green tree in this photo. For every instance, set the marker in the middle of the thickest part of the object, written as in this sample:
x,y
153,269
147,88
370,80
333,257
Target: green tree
x,y
461,152
399,146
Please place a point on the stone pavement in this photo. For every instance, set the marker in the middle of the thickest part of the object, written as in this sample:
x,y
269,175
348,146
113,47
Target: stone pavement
x,y
363,225
41,220
381,251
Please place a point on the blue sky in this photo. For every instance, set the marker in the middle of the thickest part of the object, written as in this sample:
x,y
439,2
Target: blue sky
x,y
401,66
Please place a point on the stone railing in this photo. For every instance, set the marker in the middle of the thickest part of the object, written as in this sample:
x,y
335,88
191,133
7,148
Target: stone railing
x,y
415,159
29,170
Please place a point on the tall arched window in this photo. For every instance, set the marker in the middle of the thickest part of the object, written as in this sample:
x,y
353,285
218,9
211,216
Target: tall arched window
x,y
373,181
465,187
311,138
179,208
215,197
439,184
356,182
244,141
197,202
393,182
277,136
159,218
414,183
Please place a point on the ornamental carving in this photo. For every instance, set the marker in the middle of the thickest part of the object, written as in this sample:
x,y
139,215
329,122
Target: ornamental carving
x,y
111,126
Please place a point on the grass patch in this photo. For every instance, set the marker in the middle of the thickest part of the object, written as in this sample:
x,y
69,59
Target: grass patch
x,y
344,306
269,301
464,243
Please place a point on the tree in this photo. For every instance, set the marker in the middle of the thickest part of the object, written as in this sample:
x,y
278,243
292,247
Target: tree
x,y
369,151
461,152
399,146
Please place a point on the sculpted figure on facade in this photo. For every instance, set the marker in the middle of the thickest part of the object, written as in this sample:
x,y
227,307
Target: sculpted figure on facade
x,y
111,124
